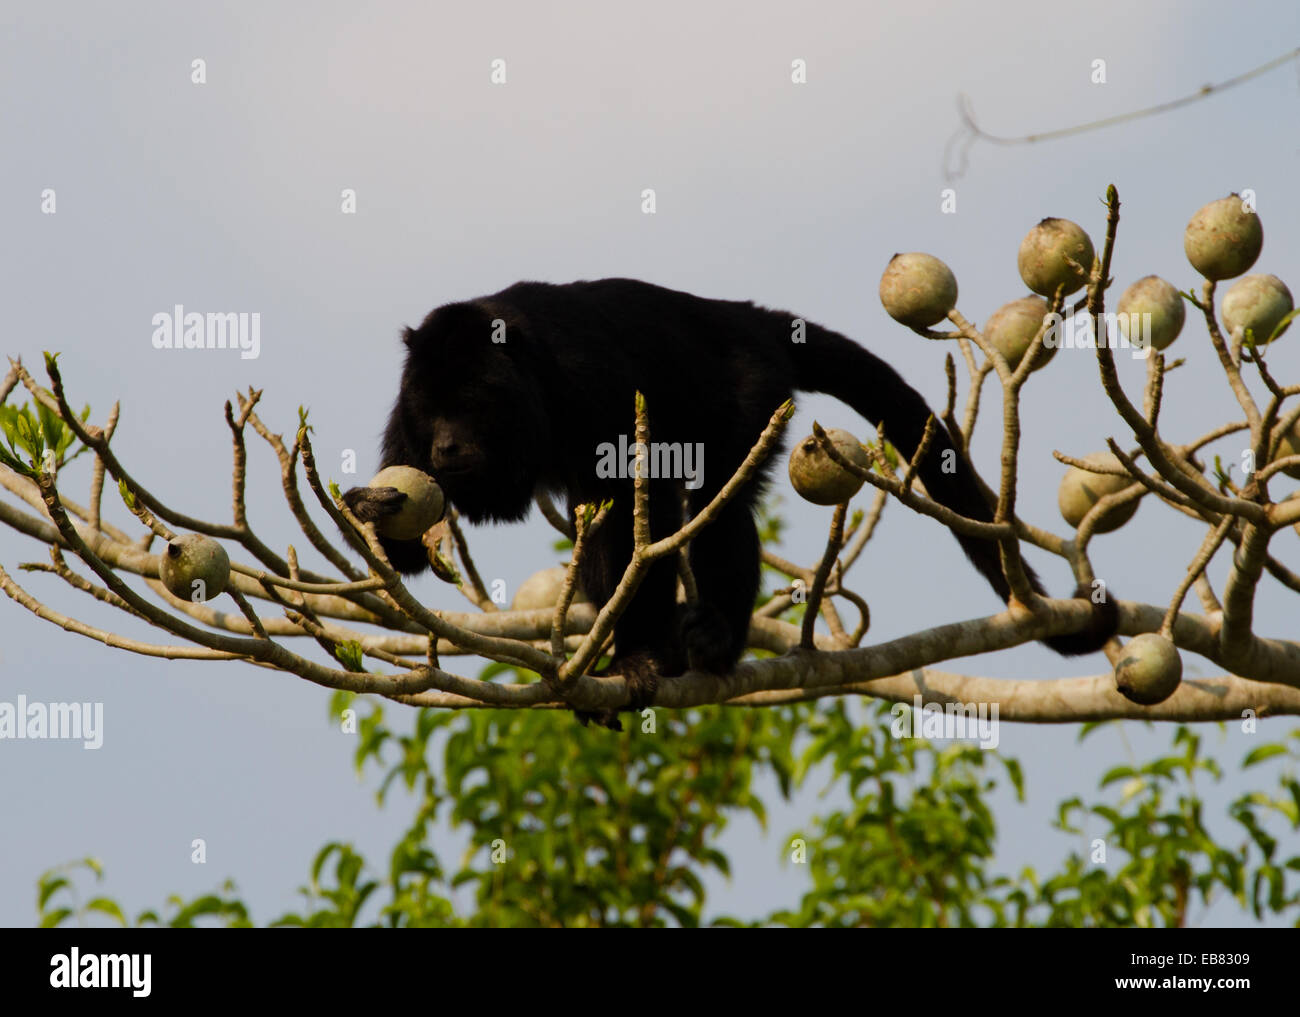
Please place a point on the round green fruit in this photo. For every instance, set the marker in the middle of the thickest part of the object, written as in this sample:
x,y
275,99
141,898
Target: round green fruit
x,y
1258,303
918,290
194,567
1152,295
1290,446
1012,327
1046,254
1149,670
422,508
542,589
1081,490
1223,239
1291,497
818,478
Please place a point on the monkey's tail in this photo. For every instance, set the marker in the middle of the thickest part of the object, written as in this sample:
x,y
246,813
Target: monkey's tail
x,y
832,363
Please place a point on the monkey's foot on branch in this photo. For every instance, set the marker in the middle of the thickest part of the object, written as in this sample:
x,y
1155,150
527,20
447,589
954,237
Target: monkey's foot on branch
x,y
641,673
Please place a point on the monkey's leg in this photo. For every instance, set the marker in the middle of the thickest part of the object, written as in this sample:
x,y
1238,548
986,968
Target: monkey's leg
x,y
725,561
644,647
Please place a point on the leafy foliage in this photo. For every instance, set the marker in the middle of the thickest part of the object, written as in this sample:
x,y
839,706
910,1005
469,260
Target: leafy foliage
x,y
913,847
31,433
1171,858
575,827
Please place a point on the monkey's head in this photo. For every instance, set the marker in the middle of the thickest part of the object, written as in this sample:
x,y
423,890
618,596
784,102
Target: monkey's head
x,y
470,413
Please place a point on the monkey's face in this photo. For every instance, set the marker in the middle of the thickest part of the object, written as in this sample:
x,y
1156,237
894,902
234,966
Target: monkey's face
x,y
477,425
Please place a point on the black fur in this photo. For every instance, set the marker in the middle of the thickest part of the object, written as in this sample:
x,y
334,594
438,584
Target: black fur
x,y
495,422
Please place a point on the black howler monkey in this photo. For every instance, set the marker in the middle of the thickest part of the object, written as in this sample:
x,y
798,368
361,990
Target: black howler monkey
x,y
512,394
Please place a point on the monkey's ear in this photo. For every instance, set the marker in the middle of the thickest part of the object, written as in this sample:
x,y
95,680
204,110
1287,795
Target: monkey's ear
x,y
450,330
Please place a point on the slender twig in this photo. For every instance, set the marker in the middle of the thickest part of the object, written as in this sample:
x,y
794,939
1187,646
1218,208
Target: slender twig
x,y
1155,387
97,471
834,542
322,589
69,624
970,131
10,379
78,582
59,404
945,515
480,596
247,610
1230,366
1194,571
586,523
553,515
1277,466
641,479
1165,460
237,473
767,441
922,450
866,531
289,484
1209,602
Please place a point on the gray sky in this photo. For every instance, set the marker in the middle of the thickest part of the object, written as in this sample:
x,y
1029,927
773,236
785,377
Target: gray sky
x,y
225,196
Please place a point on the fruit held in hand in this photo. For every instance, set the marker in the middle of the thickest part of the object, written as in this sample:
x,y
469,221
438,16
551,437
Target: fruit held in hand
x,y
821,480
918,289
1223,239
422,507
1012,327
542,589
1081,490
1151,295
1149,670
194,567
1046,254
1258,303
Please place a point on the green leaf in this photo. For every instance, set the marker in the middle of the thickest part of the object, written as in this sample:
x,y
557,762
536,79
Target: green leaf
x,y
1089,727
1262,753
350,655
47,890
1117,773
108,907
1016,775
